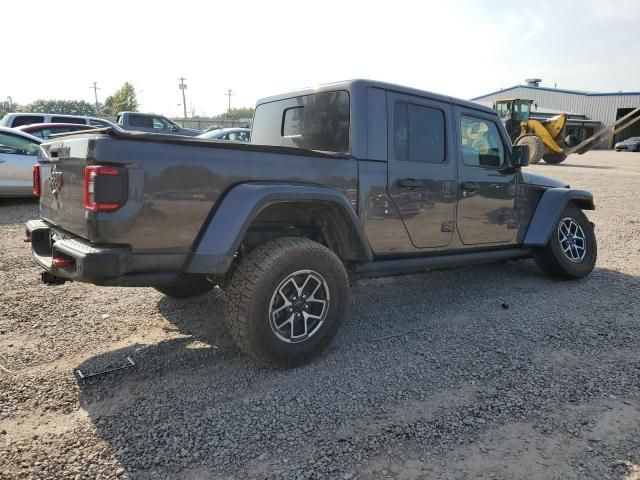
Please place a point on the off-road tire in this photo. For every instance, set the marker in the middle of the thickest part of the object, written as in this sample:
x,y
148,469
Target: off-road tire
x,y
191,287
553,261
554,158
254,285
536,147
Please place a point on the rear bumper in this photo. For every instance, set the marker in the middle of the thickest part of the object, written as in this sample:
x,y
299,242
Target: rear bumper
x,y
101,265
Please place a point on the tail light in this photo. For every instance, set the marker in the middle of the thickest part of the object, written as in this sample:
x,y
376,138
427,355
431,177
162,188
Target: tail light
x,y
61,262
37,189
103,188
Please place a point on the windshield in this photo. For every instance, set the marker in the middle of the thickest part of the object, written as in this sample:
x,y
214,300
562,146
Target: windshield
x,y
502,109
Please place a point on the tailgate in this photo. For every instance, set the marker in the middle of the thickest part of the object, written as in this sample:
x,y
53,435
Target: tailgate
x,y
62,165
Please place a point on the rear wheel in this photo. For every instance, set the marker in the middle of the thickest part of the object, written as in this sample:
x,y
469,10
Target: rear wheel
x,y
554,158
286,301
536,147
192,287
571,140
572,249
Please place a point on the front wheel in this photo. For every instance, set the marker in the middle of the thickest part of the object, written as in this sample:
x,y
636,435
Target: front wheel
x,y
536,147
572,249
286,301
554,158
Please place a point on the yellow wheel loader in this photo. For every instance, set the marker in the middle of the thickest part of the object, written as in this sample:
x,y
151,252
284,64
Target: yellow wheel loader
x,y
545,138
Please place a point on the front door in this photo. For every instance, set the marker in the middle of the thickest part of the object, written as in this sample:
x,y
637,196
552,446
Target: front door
x,y
18,154
421,168
486,199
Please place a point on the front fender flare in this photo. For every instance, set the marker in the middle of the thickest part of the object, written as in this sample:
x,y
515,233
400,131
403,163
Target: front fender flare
x,y
220,239
549,209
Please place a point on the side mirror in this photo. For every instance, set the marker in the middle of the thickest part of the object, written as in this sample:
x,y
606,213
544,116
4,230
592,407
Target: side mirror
x,y
519,156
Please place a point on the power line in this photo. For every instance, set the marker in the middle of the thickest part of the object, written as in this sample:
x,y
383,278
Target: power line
x,y
229,94
95,92
183,87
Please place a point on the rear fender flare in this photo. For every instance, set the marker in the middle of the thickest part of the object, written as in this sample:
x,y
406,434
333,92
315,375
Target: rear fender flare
x,y
550,207
221,236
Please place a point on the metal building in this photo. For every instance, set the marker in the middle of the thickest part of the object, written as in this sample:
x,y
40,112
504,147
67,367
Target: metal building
x,y
588,112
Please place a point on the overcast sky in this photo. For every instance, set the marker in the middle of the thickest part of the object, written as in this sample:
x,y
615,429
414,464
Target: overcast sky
x,y
57,49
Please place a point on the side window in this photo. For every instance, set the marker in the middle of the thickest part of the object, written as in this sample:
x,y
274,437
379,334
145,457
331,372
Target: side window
x,y
98,123
26,120
481,143
141,121
78,120
319,121
39,133
419,133
293,122
160,124
242,137
14,144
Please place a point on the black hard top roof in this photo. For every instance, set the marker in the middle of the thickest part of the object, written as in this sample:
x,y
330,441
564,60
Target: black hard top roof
x,y
355,84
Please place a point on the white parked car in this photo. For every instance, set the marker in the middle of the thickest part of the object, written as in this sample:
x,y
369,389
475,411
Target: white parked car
x,y
242,135
18,154
14,120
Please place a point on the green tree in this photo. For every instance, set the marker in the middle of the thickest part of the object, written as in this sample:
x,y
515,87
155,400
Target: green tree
x,y
6,108
122,100
244,112
69,107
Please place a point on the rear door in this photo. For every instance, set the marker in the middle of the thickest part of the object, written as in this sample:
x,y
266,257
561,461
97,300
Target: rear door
x,y
487,194
421,168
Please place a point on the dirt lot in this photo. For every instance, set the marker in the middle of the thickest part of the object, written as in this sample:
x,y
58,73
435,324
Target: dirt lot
x,y
548,388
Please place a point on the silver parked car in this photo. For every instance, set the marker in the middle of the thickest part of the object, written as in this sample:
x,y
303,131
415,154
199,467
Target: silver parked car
x,y
18,154
231,134
631,144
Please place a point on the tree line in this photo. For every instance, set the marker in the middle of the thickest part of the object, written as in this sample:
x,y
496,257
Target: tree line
x,y
124,99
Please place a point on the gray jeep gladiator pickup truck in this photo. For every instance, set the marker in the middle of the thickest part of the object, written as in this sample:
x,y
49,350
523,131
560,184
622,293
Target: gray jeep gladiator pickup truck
x,y
351,179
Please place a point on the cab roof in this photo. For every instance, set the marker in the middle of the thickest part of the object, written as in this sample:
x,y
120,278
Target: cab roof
x,y
356,85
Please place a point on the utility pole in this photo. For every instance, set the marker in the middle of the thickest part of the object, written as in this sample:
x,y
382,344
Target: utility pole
x,y
183,87
10,100
229,94
95,92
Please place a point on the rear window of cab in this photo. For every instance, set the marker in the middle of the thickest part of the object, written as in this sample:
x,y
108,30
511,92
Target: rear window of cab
x,y
318,121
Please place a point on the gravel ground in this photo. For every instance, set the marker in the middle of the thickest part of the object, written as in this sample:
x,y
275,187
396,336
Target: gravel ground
x,y
431,377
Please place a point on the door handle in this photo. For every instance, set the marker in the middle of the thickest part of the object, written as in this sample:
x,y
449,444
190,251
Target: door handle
x,y
470,186
410,183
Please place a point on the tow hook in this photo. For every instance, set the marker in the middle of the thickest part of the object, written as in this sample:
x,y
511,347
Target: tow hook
x,y
50,279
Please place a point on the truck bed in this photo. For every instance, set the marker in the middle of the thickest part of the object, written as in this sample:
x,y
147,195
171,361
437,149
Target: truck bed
x,y
173,184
